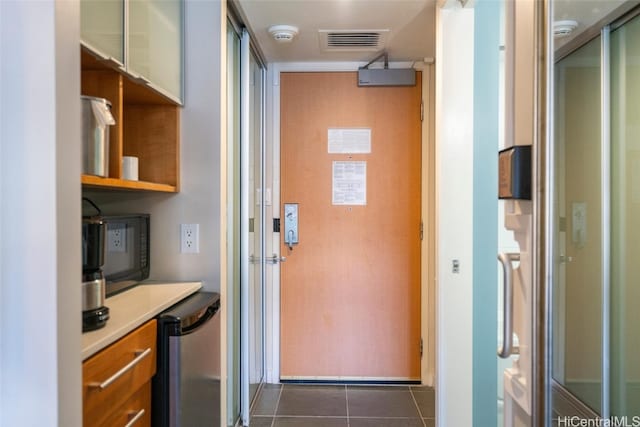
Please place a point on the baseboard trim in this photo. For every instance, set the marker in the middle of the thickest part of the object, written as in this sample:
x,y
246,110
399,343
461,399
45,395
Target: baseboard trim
x,y
348,381
566,404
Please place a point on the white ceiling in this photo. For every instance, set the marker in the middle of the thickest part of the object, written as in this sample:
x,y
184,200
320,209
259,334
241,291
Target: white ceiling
x,y
585,12
411,25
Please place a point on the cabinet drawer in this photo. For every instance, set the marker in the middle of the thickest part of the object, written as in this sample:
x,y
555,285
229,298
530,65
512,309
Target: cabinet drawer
x,y
132,410
111,377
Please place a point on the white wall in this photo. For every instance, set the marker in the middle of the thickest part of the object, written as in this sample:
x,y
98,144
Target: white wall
x,y
198,201
40,263
454,193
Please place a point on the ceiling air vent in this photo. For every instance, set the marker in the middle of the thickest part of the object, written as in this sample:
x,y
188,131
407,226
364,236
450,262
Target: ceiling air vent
x,y
352,40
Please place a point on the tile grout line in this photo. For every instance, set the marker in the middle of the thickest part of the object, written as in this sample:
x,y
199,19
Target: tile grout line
x,y
368,417
337,417
275,410
346,395
255,399
415,402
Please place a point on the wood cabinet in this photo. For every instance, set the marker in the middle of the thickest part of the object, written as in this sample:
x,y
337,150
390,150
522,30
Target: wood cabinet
x,y
116,382
147,126
142,38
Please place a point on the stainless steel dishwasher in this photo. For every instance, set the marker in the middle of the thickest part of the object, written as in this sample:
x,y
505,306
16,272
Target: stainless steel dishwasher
x,y
186,387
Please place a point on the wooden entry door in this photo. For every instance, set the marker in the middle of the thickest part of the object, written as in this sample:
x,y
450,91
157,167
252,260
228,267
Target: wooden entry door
x,y
350,290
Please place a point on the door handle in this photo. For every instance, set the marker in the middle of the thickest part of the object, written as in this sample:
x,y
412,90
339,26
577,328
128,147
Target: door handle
x,y
290,236
134,417
507,348
565,259
140,354
291,224
274,259
109,60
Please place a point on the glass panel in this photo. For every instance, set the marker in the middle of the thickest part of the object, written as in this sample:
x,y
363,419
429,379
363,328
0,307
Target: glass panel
x,y
577,285
102,26
155,42
625,211
233,225
256,313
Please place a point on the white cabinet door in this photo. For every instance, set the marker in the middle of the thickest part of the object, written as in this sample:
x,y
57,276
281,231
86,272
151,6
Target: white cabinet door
x,y
102,27
155,43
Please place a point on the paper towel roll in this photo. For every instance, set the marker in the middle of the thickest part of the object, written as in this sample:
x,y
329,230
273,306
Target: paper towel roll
x,y
130,168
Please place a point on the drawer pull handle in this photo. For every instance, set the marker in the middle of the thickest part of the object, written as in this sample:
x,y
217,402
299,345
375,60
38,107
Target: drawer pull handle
x,y
139,356
135,418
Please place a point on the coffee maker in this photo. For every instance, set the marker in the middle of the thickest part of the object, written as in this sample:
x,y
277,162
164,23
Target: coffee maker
x,y
94,312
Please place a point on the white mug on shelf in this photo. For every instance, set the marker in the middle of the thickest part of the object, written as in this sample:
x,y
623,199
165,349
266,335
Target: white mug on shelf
x,y
130,168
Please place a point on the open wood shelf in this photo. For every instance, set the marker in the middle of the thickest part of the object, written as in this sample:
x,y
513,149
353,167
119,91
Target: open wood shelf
x,y
122,184
147,127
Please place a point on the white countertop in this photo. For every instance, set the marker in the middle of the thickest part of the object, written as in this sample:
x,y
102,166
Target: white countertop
x,y
132,308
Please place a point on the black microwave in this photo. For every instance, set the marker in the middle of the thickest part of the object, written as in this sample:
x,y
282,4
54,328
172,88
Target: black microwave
x,y
127,252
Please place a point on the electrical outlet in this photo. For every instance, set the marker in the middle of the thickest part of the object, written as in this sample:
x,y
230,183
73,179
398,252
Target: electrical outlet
x,y
189,241
117,238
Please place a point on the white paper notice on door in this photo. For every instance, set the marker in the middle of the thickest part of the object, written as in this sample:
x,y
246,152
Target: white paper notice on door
x,y
349,183
349,140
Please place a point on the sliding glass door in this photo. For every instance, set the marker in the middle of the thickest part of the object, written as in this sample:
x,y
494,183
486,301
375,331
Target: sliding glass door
x,y
625,219
233,224
596,236
577,335
256,227
246,224
252,224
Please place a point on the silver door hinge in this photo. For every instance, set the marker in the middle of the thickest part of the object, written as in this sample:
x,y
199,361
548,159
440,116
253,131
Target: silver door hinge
x,y
421,230
421,111
421,347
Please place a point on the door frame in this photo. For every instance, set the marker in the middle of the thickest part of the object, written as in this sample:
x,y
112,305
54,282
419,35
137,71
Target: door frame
x,y
272,183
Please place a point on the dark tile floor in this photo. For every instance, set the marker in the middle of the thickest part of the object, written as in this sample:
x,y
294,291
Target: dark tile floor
x,y
296,405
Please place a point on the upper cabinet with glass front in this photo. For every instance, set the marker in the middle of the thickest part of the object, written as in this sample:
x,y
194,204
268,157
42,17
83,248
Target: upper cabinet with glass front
x,y
155,43
102,28
142,38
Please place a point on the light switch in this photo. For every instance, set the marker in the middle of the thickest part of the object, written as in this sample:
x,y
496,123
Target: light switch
x,y
267,197
455,266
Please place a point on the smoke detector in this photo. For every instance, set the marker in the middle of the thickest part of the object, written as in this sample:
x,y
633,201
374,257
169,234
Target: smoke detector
x,y
283,33
564,28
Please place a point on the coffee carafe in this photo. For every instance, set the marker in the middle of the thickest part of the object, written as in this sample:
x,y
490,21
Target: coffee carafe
x,y
94,312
